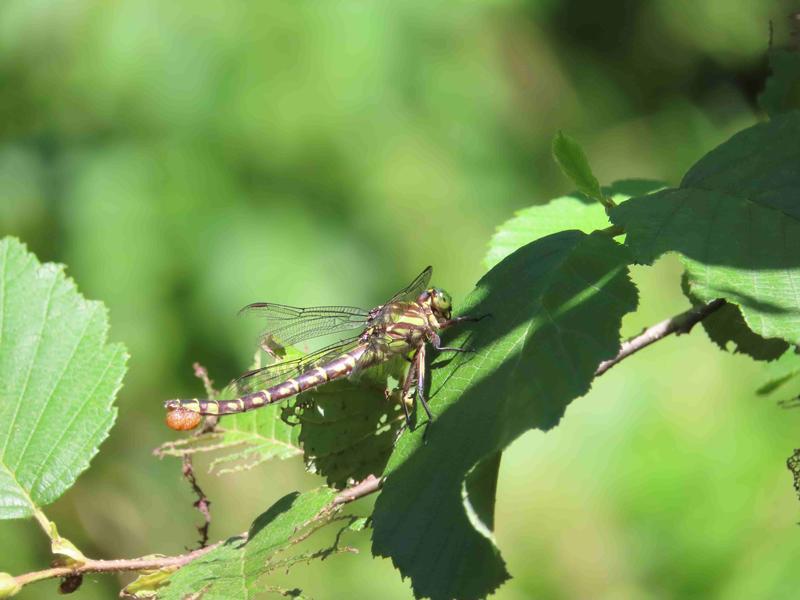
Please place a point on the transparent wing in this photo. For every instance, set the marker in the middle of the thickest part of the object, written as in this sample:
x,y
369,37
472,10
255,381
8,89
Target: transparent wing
x,y
413,289
377,351
265,377
288,325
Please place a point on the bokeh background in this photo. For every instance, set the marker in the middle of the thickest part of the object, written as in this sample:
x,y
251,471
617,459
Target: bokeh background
x,y
185,158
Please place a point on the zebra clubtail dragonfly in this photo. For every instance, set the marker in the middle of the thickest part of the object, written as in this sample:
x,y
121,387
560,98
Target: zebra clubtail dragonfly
x,y
403,326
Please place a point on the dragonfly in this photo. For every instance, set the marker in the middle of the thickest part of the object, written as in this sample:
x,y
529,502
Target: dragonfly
x,y
403,326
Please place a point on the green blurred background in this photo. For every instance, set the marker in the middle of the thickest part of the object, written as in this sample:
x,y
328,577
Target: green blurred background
x,y
185,158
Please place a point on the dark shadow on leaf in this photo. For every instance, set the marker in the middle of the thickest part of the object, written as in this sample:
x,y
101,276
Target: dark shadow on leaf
x,y
264,519
744,299
633,187
556,304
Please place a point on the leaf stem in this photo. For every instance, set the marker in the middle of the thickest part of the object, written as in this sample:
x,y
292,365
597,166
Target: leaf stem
x,y
678,324
613,230
44,522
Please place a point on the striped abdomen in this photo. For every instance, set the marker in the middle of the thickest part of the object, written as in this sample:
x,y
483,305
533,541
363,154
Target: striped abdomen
x,y
335,369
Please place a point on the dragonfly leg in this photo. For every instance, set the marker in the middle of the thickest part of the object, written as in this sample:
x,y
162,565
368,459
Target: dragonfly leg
x,y
412,373
462,319
421,382
436,342
452,349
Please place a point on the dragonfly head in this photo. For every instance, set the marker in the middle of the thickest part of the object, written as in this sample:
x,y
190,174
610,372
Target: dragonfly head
x,y
440,302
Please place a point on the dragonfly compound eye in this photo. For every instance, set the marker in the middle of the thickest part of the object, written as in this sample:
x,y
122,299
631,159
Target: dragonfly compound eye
x,y
441,302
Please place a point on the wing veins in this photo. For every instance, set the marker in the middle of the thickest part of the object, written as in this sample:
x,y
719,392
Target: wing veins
x,y
265,377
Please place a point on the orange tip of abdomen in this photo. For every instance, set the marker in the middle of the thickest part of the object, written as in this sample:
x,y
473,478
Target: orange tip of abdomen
x,y
182,419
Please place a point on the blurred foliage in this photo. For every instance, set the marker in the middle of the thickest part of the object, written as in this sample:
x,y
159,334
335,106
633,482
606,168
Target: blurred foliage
x,y
186,158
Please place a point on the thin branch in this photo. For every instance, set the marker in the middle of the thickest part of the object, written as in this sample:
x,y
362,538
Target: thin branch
x,y
202,374
202,504
115,566
366,487
678,324
612,231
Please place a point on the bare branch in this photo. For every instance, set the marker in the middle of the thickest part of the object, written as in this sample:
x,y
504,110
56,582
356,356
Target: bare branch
x,y
202,504
115,566
678,324
366,487
369,485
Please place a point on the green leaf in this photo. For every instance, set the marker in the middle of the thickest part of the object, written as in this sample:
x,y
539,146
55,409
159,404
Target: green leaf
x,y
65,551
573,162
793,464
575,211
8,585
148,584
59,379
234,569
348,430
736,221
782,90
359,524
556,306
727,329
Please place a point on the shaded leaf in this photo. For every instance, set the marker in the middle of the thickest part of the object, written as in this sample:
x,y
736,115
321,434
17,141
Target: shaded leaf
x,y
234,569
736,221
556,306
59,378
575,211
727,329
348,430
782,90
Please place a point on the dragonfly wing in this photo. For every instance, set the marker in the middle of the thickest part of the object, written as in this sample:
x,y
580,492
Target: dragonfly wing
x,y
377,351
413,289
288,325
266,377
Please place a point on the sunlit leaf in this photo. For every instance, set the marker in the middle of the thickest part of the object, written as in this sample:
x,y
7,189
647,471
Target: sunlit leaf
x,y
735,219
235,568
575,211
59,378
573,162
556,307
8,585
148,584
